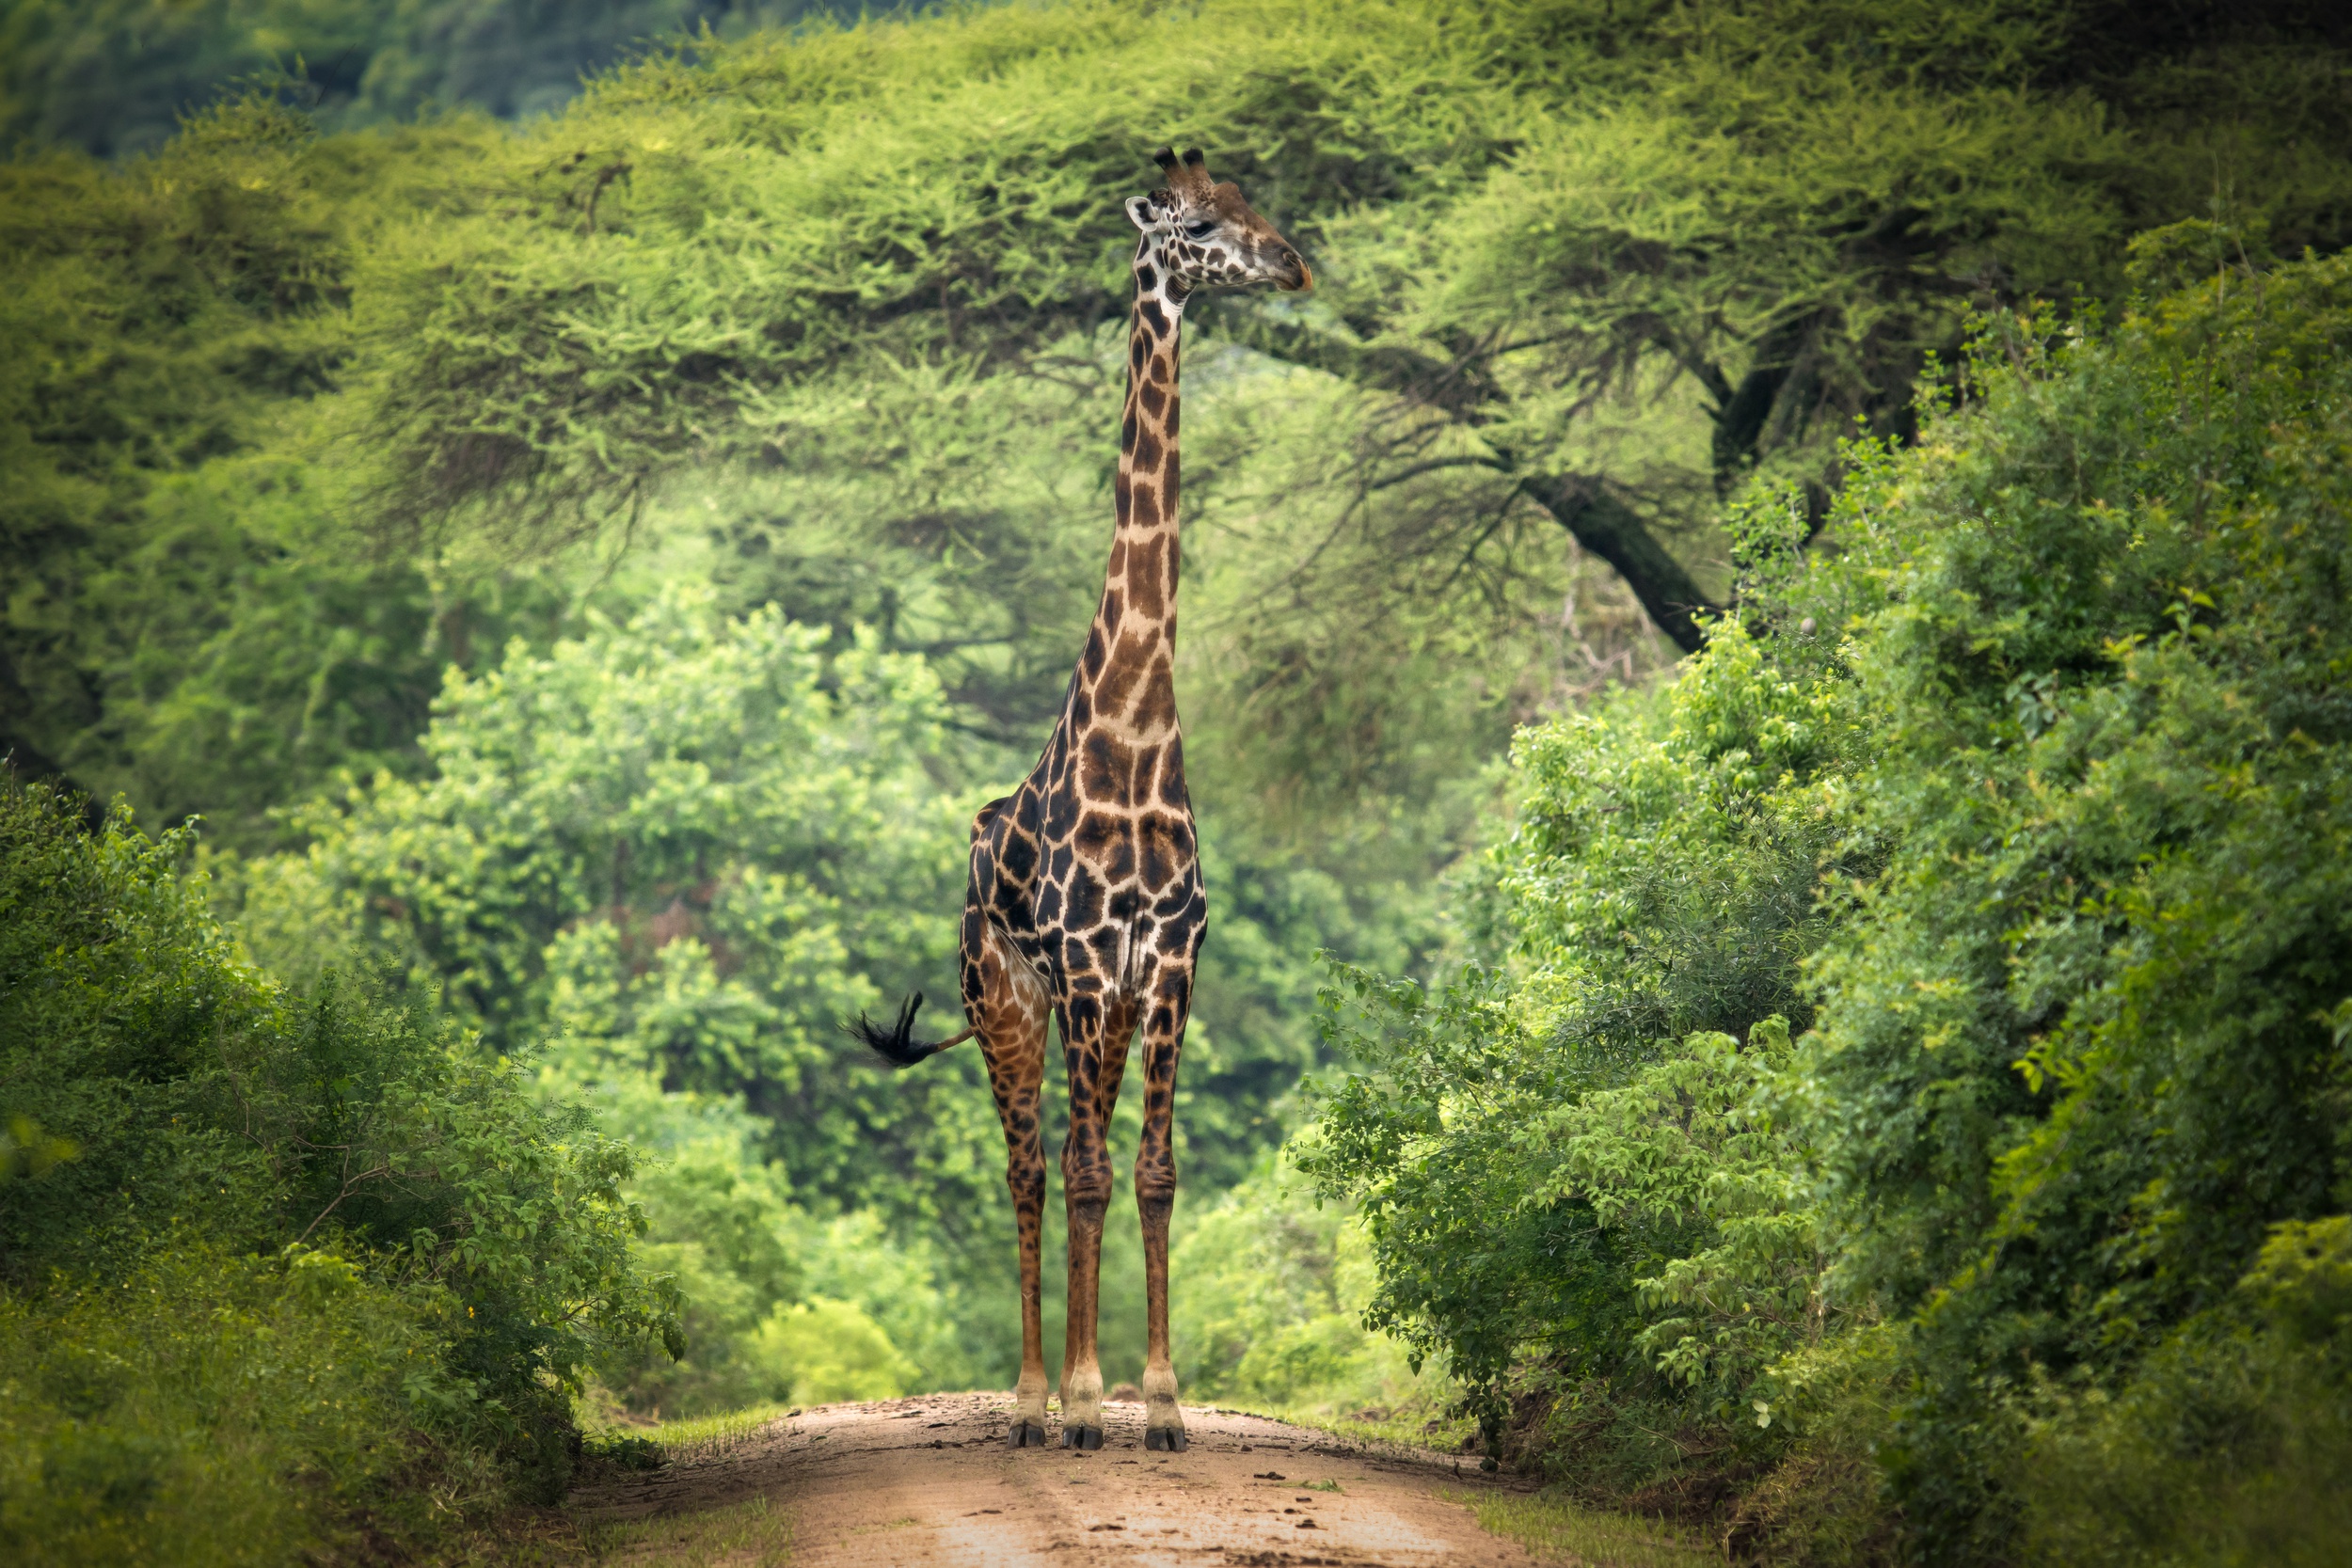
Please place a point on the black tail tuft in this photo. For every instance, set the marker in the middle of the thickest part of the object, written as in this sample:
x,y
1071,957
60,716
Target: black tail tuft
x,y
897,1045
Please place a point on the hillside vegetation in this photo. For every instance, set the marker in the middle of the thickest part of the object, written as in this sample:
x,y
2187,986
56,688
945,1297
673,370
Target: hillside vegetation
x,y
1763,659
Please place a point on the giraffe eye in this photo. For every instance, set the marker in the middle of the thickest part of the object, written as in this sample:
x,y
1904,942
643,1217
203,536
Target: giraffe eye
x,y
1201,229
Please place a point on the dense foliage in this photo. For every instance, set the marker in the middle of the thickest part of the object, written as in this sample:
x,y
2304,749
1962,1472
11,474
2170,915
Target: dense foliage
x,y
857,353
2083,1042
1885,1088
1566,1158
2035,798
1271,1312
250,1237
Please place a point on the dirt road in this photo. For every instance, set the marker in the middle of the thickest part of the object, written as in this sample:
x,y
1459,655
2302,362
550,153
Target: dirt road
x,y
931,1481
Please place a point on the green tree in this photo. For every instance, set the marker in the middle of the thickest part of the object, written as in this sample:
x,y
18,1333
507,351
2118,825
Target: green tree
x,y
686,848
1603,265
185,620
1585,267
116,77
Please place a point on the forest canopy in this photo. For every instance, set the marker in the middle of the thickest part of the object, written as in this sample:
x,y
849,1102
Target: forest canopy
x,y
1763,670
1719,244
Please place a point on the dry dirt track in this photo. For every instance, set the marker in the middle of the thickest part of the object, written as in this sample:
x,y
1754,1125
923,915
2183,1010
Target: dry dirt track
x,y
931,1481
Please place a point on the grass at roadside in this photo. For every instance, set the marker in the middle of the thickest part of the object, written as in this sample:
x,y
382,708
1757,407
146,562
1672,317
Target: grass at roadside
x,y
749,1534
753,1533
707,1436
1555,1528
1418,1424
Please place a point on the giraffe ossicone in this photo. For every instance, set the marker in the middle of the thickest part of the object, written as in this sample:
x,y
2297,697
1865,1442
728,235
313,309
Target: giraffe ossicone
x,y
1086,903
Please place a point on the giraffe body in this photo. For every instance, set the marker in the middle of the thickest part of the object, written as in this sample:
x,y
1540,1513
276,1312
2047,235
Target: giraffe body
x,y
1086,903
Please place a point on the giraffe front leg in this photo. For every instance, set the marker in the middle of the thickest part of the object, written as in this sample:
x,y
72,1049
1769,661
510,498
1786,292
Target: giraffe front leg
x,y
1163,1417
1155,1201
1027,1181
1085,1174
1081,1372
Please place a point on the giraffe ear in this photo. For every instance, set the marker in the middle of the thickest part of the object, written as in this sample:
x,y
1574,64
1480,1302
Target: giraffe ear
x,y
1142,212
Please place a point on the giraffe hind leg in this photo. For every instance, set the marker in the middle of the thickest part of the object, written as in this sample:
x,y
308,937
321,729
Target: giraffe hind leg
x,y
1007,1006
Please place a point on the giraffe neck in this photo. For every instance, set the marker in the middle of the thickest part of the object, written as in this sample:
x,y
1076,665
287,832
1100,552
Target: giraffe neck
x,y
1125,681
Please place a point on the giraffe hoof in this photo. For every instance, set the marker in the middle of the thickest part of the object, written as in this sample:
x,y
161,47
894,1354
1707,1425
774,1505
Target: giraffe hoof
x,y
1165,1439
1088,1439
1028,1434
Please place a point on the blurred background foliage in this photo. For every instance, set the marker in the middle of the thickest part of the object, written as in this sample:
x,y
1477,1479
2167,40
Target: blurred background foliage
x,y
116,77
582,502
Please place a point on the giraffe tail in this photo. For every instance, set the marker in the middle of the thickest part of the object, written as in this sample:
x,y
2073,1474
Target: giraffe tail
x,y
897,1045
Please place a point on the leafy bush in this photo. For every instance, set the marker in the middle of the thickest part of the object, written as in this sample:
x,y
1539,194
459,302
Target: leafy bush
x,y
2232,1443
1692,1143
1545,1171
1267,1304
2032,793
207,1407
750,1259
345,1242
2076,1050
829,1350
721,1221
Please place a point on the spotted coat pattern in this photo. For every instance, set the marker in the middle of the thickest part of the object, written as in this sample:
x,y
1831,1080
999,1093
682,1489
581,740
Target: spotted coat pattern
x,y
1085,901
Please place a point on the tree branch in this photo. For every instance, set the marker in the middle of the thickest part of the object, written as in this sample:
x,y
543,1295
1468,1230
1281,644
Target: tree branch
x,y
1421,378
1611,530
1597,520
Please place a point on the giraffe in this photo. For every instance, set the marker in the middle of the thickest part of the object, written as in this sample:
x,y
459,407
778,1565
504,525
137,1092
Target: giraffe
x,y
1086,900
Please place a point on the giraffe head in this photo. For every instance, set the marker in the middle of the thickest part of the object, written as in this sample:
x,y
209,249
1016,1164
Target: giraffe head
x,y
1206,236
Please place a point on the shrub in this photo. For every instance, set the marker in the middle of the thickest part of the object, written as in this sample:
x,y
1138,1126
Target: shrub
x,y
2232,1443
2033,794
1518,1139
1268,1302
208,1407
254,1241
2077,1051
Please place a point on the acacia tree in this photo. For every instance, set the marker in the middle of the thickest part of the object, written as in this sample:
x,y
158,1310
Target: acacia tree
x,y
1585,267
1604,263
